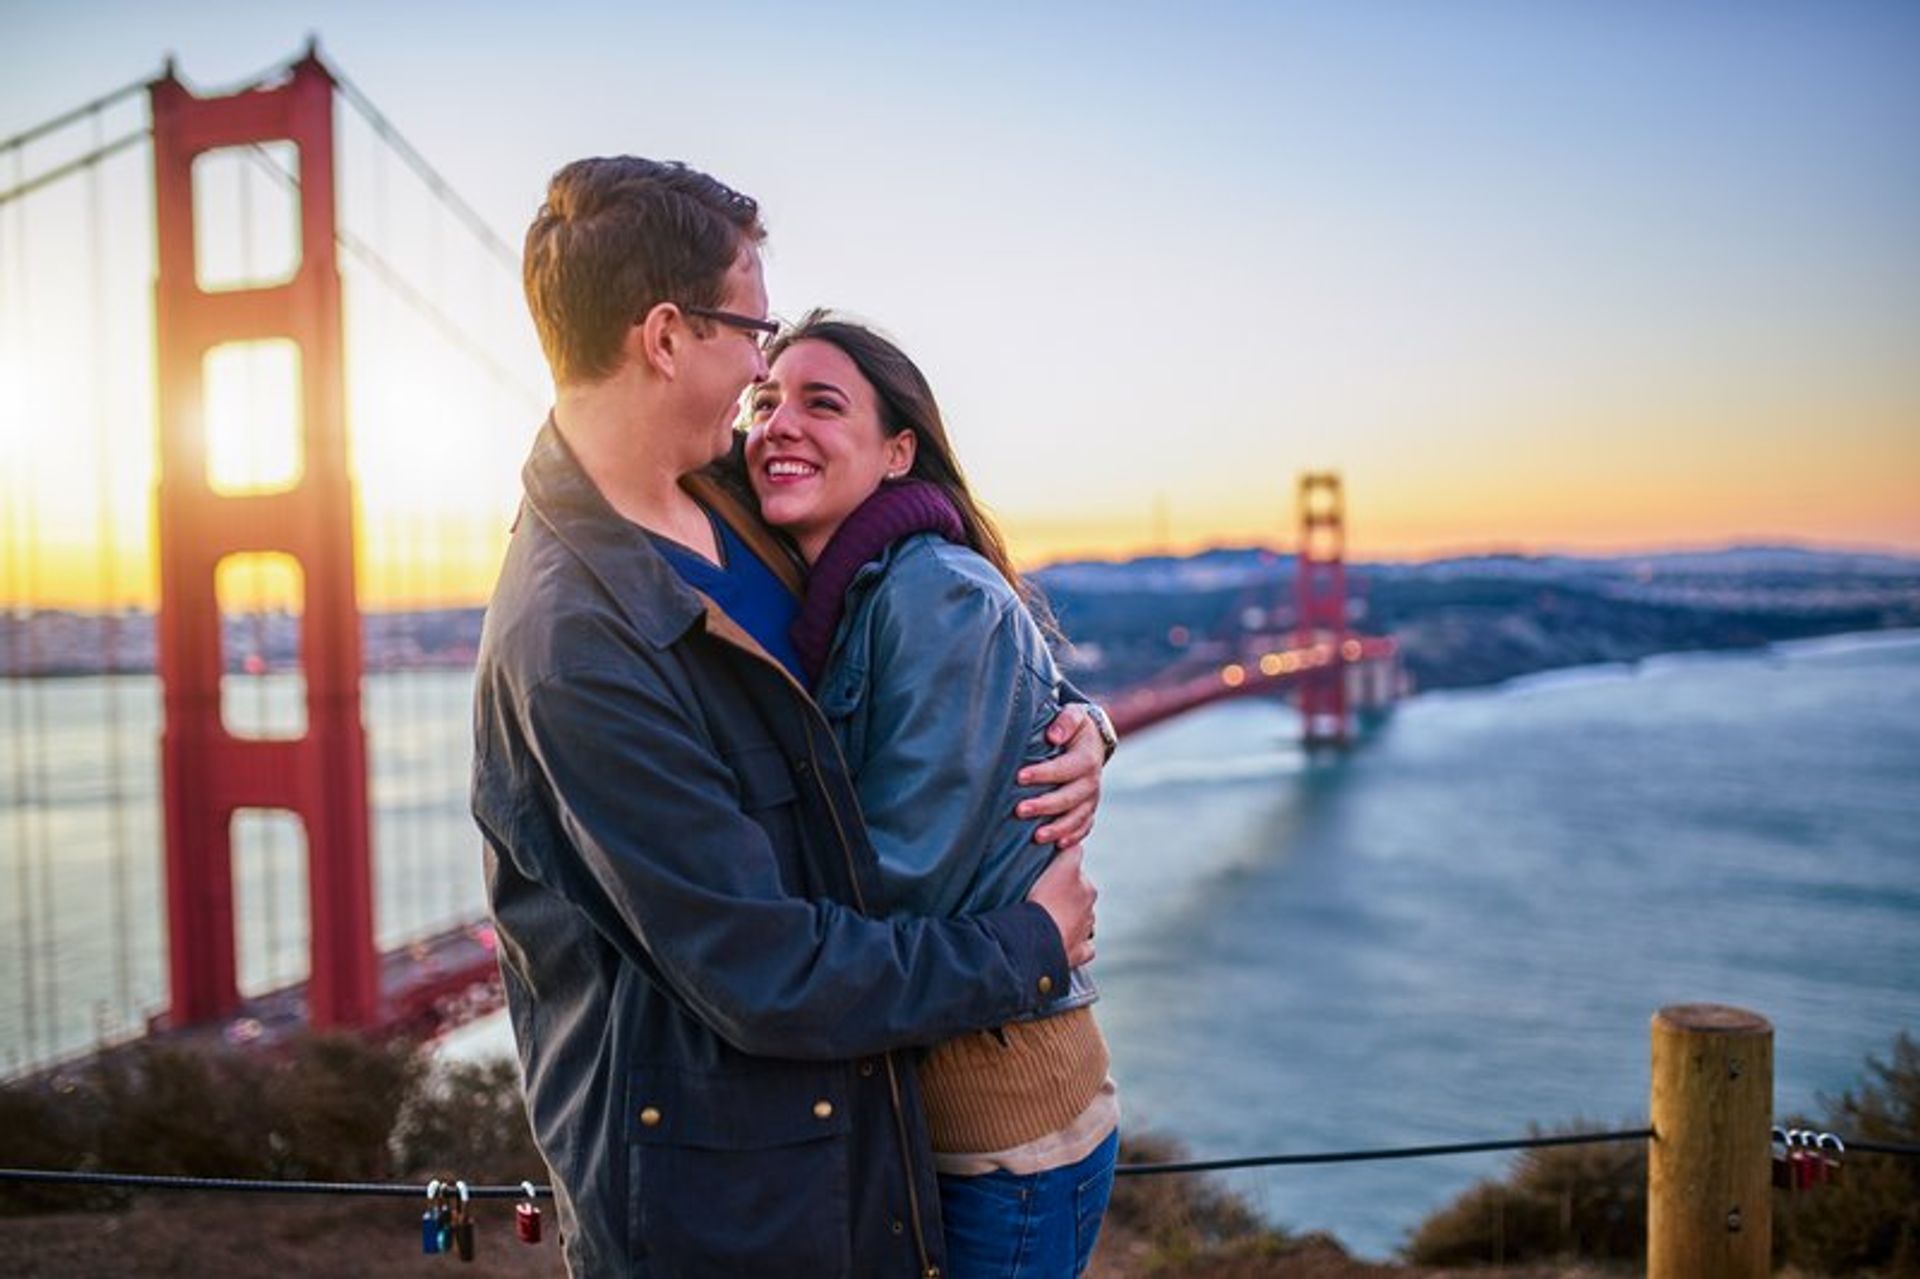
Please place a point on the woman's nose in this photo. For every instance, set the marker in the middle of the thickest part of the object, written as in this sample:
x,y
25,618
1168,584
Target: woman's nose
x,y
783,423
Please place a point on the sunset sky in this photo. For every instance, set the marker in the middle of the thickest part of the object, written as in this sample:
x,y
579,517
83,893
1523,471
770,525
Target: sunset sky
x,y
1545,277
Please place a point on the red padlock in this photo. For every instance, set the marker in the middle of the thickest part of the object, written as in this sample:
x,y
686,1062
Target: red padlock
x,y
526,1217
1808,1168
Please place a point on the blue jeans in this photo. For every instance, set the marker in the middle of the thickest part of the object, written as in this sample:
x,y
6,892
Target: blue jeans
x,y
1001,1225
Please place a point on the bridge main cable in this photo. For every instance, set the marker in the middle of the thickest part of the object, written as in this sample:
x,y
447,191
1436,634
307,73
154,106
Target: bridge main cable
x,y
441,188
77,114
74,166
93,108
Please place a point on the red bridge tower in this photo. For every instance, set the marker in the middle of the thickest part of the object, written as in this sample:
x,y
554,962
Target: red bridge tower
x,y
209,772
1320,604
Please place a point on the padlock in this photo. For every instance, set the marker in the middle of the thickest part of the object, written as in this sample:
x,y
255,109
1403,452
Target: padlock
x,y
463,1224
1806,1163
526,1217
1782,1160
1830,1151
431,1241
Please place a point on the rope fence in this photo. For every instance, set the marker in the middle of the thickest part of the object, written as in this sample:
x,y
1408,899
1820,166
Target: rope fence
x,y
413,1190
1714,1165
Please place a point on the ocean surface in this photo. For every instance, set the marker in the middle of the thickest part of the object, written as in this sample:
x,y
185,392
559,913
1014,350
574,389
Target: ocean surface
x,y
1455,931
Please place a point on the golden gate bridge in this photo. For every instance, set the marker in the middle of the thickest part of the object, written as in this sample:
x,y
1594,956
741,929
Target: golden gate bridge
x,y
299,751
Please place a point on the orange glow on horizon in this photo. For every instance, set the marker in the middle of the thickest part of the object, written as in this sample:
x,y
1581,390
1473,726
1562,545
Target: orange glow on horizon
x,y
450,560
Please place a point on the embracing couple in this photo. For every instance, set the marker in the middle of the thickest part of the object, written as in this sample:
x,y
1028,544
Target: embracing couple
x,y
781,790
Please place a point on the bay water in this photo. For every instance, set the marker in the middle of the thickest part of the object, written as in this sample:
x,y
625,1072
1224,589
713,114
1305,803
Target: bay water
x,y
1455,931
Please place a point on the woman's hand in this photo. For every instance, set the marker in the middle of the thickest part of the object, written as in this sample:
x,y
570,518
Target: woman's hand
x,y
1064,892
1074,775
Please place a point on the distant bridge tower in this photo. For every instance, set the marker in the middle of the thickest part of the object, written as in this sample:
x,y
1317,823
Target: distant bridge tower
x,y
208,772
1320,607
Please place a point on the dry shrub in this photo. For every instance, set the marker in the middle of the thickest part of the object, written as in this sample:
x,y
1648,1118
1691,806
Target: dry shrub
x,y
1870,1221
173,1110
1187,1218
469,1118
319,1107
1559,1201
337,1099
40,1129
1590,1201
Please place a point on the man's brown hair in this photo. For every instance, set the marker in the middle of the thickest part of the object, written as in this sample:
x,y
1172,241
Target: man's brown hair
x,y
617,236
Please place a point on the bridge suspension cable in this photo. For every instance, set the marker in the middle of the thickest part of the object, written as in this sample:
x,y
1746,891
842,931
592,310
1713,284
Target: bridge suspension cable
x,y
119,849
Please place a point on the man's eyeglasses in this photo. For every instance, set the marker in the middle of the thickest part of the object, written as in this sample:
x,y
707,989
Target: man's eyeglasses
x,y
761,331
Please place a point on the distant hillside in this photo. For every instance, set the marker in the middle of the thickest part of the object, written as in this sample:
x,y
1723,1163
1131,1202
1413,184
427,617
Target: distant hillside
x,y
1481,619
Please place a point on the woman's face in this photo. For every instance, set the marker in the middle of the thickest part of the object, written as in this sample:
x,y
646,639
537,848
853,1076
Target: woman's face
x,y
816,449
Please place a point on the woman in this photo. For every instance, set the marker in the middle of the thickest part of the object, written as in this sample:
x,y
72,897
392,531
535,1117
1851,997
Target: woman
x,y
940,685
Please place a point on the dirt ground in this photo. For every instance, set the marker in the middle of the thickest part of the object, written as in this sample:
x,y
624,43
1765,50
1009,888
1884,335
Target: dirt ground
x,y
249,1237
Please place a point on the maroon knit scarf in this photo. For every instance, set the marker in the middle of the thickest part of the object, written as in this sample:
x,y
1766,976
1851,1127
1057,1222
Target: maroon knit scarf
x,y
894,511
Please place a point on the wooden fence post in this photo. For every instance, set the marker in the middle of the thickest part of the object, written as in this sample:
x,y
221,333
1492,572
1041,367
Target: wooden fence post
x,y
1709,1182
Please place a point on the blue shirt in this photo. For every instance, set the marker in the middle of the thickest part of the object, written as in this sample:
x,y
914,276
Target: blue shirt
x,y
745,589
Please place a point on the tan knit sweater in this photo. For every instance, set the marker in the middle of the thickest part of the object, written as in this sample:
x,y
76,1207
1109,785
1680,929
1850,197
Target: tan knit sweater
x,y
985,1093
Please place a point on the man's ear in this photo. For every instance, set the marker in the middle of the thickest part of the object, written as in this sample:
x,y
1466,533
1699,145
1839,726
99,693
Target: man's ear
x,y
657,340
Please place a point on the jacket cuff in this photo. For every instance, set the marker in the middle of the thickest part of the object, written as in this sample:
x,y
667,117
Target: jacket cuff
x,y
1032,946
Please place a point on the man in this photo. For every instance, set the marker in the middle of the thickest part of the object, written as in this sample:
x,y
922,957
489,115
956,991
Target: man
x,y
705,1013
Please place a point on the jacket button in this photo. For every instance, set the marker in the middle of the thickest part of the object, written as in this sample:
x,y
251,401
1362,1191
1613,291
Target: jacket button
x,y
899,1226
823,1109
866,1070
1046,985
650,1117
802,768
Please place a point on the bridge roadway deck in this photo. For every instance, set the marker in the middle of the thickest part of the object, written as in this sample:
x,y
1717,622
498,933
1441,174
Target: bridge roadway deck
x,y
1268,672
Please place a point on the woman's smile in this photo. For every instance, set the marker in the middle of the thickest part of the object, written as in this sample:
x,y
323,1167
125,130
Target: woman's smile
x,y
817,448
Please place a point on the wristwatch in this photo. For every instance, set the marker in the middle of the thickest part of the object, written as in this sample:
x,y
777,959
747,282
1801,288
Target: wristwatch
x,y
1104,724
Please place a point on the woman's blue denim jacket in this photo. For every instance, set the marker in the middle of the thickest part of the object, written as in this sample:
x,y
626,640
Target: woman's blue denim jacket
x,y
940,687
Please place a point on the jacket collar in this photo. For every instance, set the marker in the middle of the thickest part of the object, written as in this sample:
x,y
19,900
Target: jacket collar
x,y
616,551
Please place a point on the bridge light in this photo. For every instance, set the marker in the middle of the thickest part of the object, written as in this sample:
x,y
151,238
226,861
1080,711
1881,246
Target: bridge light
x,y
1271,664
1233,675
1289,663
1351,650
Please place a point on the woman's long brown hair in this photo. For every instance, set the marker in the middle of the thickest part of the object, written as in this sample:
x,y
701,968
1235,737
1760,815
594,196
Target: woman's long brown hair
x,y
906,404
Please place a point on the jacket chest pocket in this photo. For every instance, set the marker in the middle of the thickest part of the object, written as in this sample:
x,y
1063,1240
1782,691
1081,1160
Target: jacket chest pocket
x,y
844,703
739,1174
768,795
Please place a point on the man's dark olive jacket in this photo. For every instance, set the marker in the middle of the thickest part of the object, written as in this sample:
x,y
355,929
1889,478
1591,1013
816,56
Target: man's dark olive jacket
x,y
705,1011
